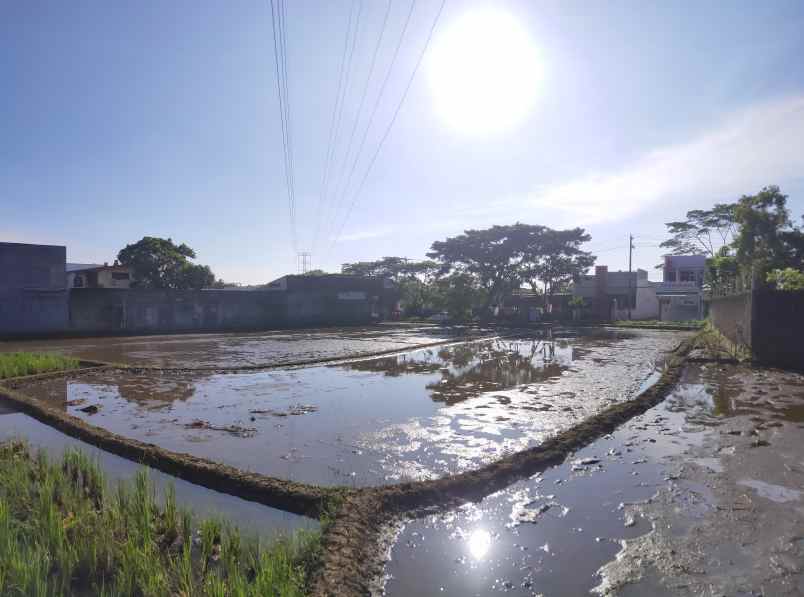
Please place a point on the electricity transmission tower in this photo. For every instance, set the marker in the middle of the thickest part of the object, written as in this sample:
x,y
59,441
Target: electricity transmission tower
x,y
303,261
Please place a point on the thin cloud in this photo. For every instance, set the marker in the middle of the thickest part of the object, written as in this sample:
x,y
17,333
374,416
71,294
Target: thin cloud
x,y
365,235
761,145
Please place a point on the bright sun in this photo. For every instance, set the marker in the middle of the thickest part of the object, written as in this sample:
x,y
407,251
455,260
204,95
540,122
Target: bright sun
x,y
485,72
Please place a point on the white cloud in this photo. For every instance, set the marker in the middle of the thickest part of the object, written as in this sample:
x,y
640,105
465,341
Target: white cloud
x,y
365,235
761,145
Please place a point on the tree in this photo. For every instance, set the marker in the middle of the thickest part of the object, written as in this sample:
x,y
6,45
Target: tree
x,y
556,258
787,279
766,238
492,256
703,232
160,263
458,294
413,277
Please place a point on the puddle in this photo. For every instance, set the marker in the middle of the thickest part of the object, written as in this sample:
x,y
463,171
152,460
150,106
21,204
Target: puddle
x,y
550,534
415,415
251,517
244,349
775,493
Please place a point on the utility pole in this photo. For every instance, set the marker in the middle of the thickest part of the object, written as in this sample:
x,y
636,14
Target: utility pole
x,y
303,262
630,255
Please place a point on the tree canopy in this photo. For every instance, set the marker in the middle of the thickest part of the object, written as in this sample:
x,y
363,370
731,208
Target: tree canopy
x,y
703,232
160,263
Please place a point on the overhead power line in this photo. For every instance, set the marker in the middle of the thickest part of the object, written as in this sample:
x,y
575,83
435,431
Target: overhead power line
x,y
344,76
395,113
280,61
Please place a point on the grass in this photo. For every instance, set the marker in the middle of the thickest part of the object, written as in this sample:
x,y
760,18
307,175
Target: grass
x,y
15,364
715,343
63,531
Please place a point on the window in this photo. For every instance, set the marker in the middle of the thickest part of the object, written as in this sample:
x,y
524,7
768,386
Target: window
x,y
120,276
687,275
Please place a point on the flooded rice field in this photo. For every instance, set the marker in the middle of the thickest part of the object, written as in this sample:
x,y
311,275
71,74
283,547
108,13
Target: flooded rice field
x,y
417,415
686,499
251,517
232,350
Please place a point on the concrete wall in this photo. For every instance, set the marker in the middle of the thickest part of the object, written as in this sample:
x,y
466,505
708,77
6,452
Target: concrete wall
x,y
732,316
33,295
777,331
107,310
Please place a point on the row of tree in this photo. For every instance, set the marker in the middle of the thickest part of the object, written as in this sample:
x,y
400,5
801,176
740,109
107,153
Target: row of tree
x,y
474,270
750,242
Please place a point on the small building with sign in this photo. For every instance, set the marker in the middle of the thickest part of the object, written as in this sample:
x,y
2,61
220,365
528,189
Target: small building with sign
x,y
90,275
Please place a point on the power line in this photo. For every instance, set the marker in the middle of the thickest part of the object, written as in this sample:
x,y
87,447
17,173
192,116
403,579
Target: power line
x,y
277,22
340,197
343,89
364,95
393,119
332,122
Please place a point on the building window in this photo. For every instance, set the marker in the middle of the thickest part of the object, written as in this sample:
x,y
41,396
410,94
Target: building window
x,y
669,275
687,276
120,276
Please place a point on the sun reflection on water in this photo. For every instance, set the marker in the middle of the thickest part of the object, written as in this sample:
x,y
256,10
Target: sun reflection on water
x,y
479,543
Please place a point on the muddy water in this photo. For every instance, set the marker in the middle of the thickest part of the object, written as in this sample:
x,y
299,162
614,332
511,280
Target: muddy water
x,y
548,535
250,517
416,415
244,349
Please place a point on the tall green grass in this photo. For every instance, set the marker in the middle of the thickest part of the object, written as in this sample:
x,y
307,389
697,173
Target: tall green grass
x,y
64,532
15,364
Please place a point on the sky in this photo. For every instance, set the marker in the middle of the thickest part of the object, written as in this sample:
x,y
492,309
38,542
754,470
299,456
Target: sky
x,y
120,120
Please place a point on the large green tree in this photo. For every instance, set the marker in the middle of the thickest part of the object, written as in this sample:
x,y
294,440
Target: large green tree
x,y
703,232
160,263
554,258
413,277
493,256
766,237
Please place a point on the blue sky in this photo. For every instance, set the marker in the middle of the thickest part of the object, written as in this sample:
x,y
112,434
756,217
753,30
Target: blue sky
x,y
120,120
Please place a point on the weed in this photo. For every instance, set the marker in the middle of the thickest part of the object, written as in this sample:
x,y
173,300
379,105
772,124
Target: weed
x,y
62,532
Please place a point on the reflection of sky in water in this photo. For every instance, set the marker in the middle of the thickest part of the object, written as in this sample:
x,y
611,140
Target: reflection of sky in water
x,y
414,415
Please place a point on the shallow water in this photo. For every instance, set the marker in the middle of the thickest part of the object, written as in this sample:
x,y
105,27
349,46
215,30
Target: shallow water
x,y
547,535
415,415
550,534
244,349
251,517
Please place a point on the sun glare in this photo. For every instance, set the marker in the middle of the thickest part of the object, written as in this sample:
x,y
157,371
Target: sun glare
x,y
485,72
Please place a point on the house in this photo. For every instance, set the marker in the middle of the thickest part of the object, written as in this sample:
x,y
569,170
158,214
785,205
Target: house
x,y
33,292
609,295
684,268
90,275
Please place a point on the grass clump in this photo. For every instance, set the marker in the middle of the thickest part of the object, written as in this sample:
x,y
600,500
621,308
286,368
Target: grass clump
x,y
16,364
64,532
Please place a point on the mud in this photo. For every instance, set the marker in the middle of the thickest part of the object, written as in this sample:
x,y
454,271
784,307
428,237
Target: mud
x,y
246,350
413,416
732,521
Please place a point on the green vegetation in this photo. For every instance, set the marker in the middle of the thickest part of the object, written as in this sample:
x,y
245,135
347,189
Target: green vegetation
x,y
711,340
15,364
161,263
787,279
751,242
64,532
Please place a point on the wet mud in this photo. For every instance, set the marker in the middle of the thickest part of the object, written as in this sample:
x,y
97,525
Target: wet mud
x,y
246,350
420,415
732,521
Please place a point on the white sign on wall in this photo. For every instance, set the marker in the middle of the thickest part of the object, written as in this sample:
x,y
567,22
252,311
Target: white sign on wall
x,y
352,295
